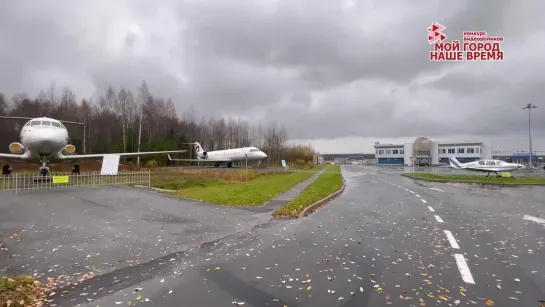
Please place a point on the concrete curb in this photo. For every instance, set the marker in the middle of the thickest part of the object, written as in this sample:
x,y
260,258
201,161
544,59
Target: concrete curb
x,y
156,189
322,201
481,183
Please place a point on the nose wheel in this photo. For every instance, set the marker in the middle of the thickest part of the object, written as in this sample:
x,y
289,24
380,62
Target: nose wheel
x,y
44,171
75,169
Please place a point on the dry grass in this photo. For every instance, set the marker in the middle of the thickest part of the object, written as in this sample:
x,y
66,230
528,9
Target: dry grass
x,y
183,179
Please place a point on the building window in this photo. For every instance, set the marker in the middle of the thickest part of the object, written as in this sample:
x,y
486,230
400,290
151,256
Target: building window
x,y
477,150
401,151
460,150
471,150
451,150
388,152
395,151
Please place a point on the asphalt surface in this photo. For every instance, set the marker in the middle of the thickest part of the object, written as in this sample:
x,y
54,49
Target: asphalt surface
x,y
74,232
383,241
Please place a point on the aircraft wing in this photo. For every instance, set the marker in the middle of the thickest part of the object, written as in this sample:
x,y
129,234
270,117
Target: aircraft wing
x,y
126,154
12,158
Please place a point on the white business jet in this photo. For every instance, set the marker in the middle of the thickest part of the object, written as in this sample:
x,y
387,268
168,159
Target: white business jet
x,y
45,140
485,166
227,156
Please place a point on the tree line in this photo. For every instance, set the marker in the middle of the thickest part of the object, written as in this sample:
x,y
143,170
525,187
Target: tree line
x,y
113,120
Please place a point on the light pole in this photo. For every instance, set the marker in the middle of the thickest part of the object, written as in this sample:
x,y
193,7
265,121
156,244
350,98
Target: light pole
x,y
530,107
246,168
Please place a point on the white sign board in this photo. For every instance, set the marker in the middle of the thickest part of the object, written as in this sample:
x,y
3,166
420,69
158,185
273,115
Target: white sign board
x,y
110,165
283,163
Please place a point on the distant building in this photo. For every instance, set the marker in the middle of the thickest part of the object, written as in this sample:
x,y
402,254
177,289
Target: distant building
x,y
423,151
522,157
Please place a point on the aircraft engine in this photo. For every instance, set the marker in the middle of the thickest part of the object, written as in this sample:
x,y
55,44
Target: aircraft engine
x,y
69,149
16,148
204,154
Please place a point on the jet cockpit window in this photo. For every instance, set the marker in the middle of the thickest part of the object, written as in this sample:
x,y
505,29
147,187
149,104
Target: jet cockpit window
x,y
490,162
55,124
481,162
36,123
254,150
62,126
46,123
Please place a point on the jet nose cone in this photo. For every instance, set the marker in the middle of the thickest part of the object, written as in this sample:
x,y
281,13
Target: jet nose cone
x,y
264,155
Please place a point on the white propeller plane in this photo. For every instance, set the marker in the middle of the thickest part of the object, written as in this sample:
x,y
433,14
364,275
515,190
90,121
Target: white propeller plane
x,y
227,156
45,140
485,166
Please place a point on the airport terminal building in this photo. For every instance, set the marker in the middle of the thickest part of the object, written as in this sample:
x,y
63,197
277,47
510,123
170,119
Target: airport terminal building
x,y
423,151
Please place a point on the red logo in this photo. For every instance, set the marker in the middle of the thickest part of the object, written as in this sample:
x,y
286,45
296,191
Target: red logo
x,y
435,33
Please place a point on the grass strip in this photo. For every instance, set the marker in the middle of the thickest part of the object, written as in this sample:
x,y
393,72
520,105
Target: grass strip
x,y
477,179
261,189
326,184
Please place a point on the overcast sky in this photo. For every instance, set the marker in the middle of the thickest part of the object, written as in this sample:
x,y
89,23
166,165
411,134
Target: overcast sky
x,y
340,74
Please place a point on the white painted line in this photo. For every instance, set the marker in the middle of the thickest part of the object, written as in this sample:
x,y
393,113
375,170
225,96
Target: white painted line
x,y
412,192
436,189
534,219
464,269
406,189
423,200
417,195
431,209
438,218
451,239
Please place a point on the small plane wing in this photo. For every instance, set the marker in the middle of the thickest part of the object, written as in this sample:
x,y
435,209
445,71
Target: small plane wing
x,y
12,158
126,154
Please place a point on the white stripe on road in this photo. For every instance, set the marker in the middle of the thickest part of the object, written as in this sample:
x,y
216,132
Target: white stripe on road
x,y
417,195
431,209
534,219
438,218
464,269
451,239
436,189
423,200
412,192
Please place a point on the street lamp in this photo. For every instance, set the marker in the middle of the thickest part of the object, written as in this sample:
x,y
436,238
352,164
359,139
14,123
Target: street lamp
x,y
246,168
530,107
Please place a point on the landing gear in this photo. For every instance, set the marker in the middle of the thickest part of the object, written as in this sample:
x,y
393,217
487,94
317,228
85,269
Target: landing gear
x,y
6,170
75,169
229,164
44,170
216,165
497,175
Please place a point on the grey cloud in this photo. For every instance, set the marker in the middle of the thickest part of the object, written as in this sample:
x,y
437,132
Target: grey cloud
x,y
322,70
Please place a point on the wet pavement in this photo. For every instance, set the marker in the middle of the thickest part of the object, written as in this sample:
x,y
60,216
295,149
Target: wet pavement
x,y
387,240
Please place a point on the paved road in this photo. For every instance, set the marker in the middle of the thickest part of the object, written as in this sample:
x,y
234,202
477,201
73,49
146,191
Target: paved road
x,y
385,240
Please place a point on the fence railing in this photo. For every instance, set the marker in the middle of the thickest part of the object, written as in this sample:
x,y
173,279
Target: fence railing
x,y
28,182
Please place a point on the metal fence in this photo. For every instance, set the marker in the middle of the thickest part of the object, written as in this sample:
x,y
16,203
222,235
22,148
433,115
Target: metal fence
x,y
30,182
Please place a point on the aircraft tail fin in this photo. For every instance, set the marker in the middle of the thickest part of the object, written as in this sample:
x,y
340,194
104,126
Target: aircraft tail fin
x,y
454,163
198,149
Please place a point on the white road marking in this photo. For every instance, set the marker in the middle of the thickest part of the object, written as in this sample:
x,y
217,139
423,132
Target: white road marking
x,y
431,209
412,192
423,200
406,189
534,219
417,195
436,189
438,218
464,269
451,239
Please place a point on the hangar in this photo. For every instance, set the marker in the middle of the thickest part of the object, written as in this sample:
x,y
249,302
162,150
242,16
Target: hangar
x,y
427,152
